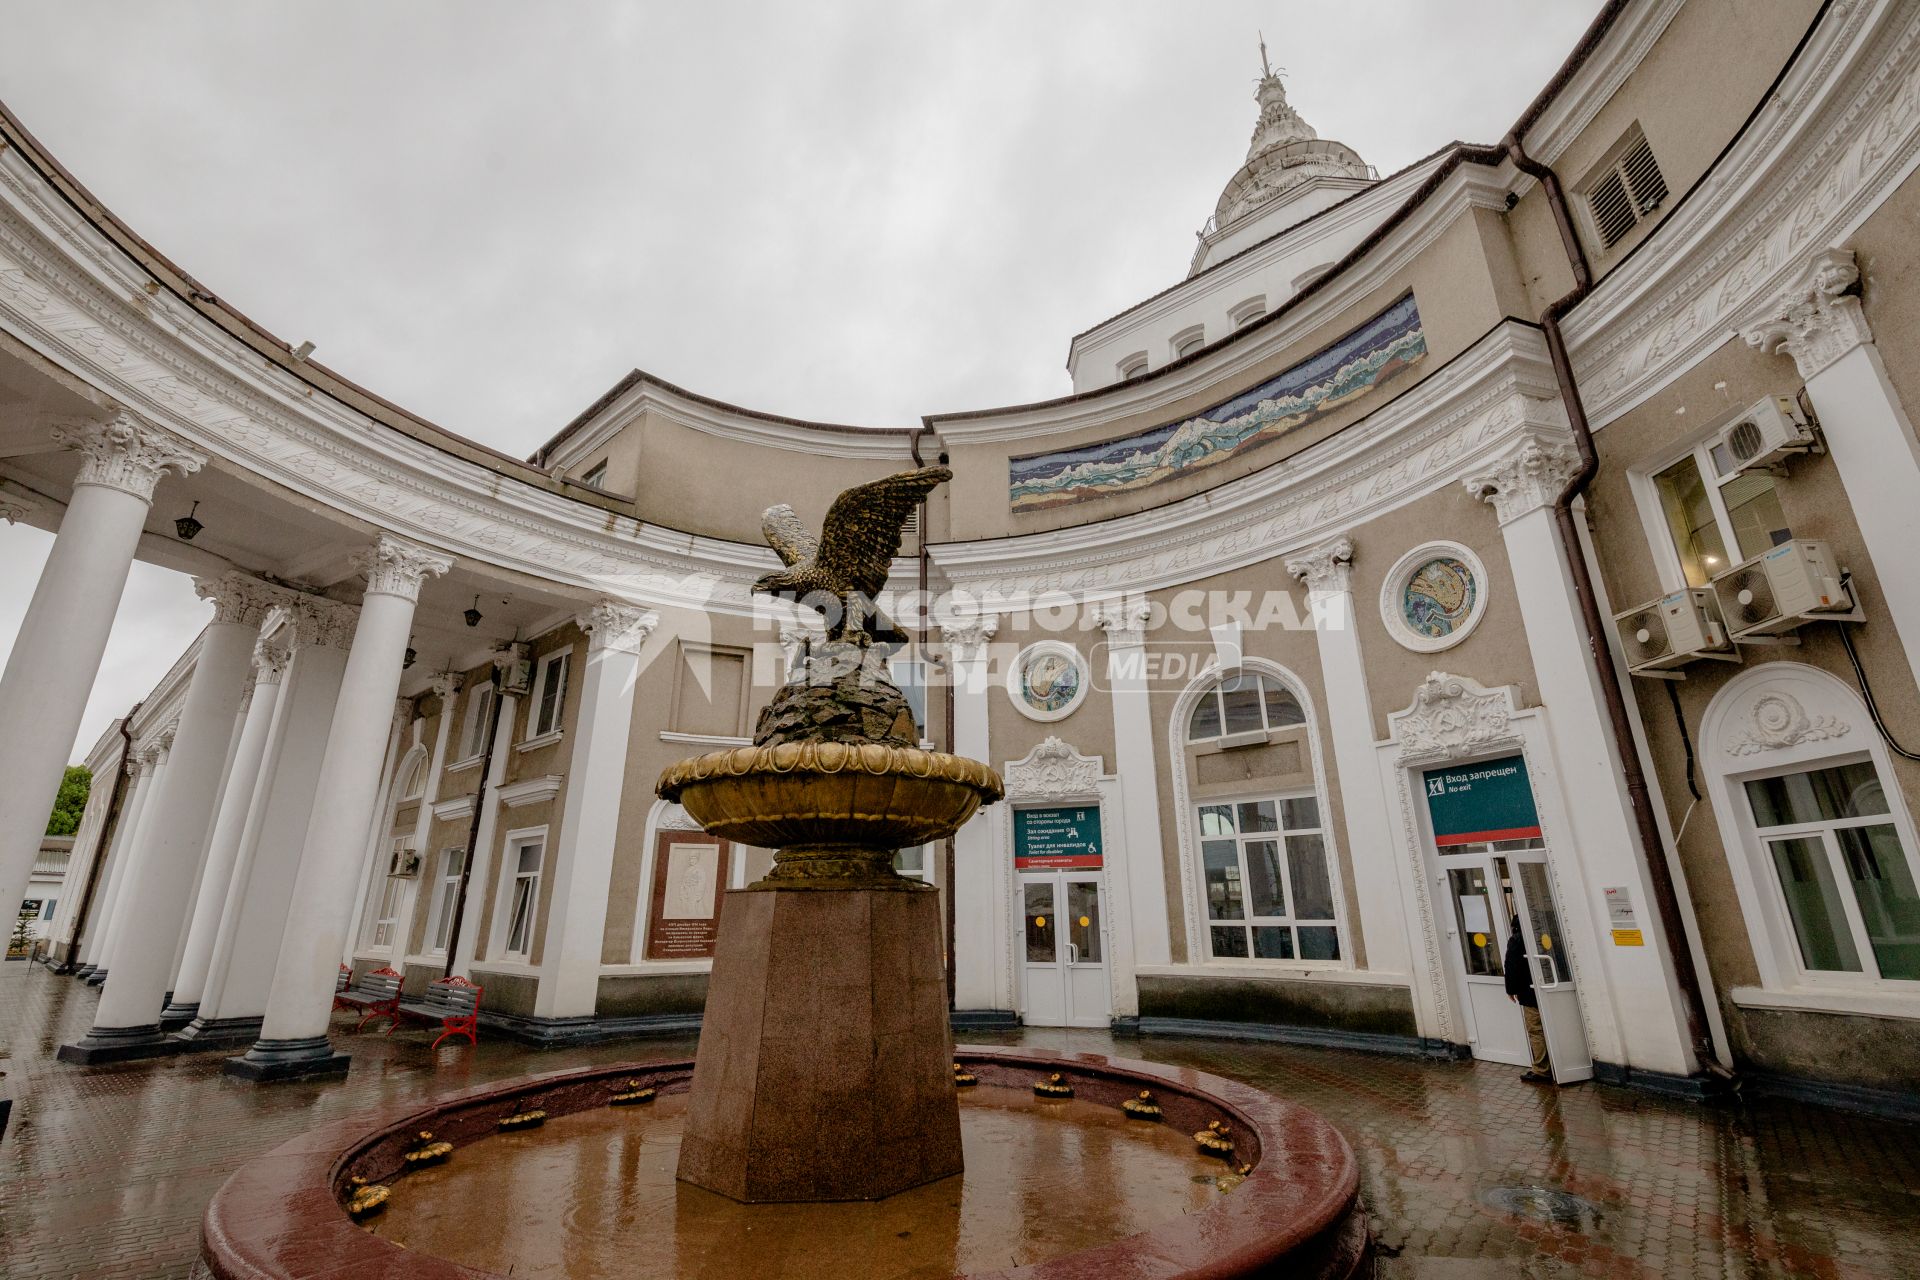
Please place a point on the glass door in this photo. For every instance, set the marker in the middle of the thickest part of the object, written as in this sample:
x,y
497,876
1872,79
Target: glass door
x,y
1482,909
1064,962
1551,960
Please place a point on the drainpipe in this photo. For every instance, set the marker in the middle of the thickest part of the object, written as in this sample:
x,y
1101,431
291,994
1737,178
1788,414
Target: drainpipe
x,y
946,846
1639,798
473,825
107,827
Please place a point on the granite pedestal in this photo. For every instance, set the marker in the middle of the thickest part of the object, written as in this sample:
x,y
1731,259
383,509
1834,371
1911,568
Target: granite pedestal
x,y
825,1069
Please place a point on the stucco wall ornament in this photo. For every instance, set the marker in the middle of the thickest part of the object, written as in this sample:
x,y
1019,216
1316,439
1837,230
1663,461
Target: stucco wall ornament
x,y
397,568
1452,716
127,454
1048,680
1817,319
967,636
1124,621
1777,720
1530,475
1326,568
239,599
1054,770
613,624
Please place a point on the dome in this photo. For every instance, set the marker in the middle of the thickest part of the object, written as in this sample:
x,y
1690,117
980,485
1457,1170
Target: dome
x,y
1284,155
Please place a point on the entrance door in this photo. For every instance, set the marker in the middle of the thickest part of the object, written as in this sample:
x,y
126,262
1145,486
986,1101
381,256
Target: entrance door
x,y
1063,970
1552,962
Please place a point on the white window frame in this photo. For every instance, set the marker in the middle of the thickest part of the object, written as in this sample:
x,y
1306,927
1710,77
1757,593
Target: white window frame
x,y
390,900
909,675
1645,485
1247,736
1247,310
413,775
1130,367
446,891
595,475
538,708
508,895
925,873
1187,341
1289,920
473,722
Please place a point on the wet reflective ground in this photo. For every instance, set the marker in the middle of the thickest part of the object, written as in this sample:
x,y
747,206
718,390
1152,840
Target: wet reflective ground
x,y
1467,1172
592,1196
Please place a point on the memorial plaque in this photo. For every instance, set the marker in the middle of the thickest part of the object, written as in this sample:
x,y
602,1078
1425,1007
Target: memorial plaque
x,y
689,877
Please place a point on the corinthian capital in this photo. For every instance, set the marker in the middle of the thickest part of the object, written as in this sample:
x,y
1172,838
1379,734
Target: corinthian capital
x,y
271,657
1124,621
14,508
396,568
614,624
966,635
237,598
1530,475
324,623
1326,568
127,454
1817,319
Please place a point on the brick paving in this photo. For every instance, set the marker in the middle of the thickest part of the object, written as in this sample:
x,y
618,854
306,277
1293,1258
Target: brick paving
x,y
104,1171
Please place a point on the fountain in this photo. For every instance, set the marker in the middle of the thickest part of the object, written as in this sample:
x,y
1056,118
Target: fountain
x,y
820,1127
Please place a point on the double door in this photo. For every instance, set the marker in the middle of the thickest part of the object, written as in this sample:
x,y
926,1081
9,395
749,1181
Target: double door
x,y
1063,948
1499,890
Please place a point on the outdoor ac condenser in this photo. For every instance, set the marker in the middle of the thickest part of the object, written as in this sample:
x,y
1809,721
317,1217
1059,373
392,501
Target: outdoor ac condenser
x,y
1673,631
1781,588
1766,431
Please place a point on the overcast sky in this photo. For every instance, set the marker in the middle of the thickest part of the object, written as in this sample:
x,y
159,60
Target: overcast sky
x,y
489,211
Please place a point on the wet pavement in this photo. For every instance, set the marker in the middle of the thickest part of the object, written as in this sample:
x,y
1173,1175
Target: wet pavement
x,y
1467,1172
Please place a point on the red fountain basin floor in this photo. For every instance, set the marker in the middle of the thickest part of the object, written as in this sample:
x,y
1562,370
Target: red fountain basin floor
x,y
582,1196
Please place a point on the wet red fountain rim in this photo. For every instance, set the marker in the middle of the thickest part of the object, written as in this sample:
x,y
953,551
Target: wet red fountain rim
x,y
281,1215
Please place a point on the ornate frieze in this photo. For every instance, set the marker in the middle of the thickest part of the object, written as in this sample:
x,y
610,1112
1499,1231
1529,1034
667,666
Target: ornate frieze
x,y
1326,567
1452,716
239,599
1532,474
397,568
1124,621
614,624
1817,319
1778,720
1053,770
127,454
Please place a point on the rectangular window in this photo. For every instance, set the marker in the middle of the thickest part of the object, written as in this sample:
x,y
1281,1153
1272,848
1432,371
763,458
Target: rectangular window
x,y
446,892
1714,523
1846,879
386,917
910,677
522,894
915,863
1269,888
549,694
473,734
595,475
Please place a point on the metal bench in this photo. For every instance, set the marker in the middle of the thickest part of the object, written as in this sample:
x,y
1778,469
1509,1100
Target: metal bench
x,y
452,1002
377,995
340,985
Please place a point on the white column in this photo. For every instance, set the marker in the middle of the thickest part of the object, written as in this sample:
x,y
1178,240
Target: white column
x,y
1637,1016
56,654
982,975
206,843
160,882
376,851
590,814
1818,321
89,848
270,659
125,831
1125,622
293,1037
473,919
248,944
157,757
1381,878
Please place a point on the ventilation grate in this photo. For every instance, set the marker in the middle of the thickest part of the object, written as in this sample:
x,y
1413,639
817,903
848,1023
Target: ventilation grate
x,y
1626,193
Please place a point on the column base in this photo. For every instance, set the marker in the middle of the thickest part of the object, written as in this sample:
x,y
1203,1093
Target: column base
x,y
218,1033
98,978
271,1061
115,1044
176,1016
84,971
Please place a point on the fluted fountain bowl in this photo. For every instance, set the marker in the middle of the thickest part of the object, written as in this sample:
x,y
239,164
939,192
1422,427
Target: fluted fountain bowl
x,y
835,812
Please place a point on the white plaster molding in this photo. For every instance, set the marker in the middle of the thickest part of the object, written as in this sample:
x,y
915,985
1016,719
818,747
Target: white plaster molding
x,y
323,623
445,685
1016,672
1451,717
239,598
271,657
1124,621
457,807
1575,104
617,625
14,508
966,637
705,739
396,568
126,453
820,440
1817,319
1531,474
1326,567
1393,596
1776,720
1054,770
518,795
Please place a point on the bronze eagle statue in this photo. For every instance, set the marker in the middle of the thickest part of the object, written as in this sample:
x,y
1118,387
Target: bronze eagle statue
x,y
848,562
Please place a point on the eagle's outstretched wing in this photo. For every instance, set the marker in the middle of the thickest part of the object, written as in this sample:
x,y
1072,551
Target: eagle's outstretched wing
x,y
862,532
787,536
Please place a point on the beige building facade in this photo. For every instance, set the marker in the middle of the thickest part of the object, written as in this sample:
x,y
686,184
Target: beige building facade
x,y
1507,550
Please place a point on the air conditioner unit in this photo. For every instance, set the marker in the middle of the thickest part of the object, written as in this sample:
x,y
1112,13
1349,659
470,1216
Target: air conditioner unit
x,y
1673,631
1782,587
1763,433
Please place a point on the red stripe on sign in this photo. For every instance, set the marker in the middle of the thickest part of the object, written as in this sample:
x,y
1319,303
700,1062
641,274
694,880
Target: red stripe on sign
x,y
1074,860
1480,837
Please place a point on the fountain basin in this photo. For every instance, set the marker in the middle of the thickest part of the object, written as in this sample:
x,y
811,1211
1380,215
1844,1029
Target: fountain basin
x,y
1296,1212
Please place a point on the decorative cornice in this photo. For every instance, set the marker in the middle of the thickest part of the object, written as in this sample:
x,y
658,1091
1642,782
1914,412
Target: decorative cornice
x,y
1777,720
271,657
396,568
519,795
1817,319
1326,567
1124,621
457,807
1054,770
1452,716
127,454
1532,474
238,599
616,625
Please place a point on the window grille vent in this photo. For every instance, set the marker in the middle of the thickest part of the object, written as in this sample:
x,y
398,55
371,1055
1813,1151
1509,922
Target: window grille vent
x,y
1626,192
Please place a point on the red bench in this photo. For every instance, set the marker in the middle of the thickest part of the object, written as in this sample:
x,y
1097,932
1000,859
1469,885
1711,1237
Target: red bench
x,y
377,995
453,1002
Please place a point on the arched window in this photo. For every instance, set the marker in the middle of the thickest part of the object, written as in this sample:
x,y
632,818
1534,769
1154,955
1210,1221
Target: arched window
x,y
1243,703
413,777
1267,887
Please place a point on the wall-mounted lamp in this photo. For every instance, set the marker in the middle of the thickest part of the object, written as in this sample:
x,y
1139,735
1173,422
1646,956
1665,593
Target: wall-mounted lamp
x,y
187,527
413,655
473,615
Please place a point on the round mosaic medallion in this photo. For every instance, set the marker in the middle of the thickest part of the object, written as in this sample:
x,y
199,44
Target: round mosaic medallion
x,y
1048,680
1434,596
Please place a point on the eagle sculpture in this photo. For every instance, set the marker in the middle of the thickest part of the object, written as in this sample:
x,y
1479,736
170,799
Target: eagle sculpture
x,y
850,559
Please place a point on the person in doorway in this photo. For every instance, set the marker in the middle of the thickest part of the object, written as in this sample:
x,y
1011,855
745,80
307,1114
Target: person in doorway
x,y
1520,991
